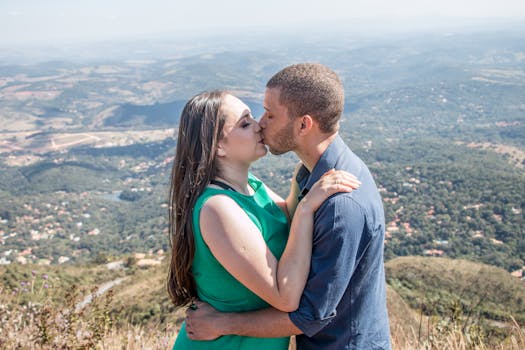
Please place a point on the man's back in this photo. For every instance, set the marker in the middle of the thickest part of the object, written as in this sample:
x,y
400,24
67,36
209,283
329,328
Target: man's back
x,y
344,302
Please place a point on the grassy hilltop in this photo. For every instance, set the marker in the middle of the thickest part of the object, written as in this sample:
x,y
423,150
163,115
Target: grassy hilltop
x,y
433,303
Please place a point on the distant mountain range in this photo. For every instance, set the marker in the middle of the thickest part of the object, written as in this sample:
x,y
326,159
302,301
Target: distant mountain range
x,y
159,114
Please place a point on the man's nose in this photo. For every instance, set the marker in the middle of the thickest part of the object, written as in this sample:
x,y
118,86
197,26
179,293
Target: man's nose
x,y
262,122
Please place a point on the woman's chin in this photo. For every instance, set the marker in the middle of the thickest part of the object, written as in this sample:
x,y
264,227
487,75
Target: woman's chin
x,y
262,153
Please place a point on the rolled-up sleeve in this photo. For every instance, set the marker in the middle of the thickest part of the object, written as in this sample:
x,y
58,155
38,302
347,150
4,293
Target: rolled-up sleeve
x,y
338,226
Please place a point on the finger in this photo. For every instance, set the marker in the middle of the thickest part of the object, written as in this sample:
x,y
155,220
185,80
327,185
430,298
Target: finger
x,y
328,172
345,186
348,178
348,175
354,185
339,180
344,175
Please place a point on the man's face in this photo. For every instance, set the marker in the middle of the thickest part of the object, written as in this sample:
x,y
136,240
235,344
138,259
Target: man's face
x,y
277,127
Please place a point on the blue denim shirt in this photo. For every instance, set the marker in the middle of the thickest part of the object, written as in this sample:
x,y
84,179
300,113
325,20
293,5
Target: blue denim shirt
x,y
343,305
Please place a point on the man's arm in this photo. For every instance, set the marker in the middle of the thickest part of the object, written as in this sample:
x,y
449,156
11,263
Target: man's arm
x,y
339,224
206,323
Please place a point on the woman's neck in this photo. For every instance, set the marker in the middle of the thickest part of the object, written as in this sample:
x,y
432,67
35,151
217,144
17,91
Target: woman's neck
x,y
236,177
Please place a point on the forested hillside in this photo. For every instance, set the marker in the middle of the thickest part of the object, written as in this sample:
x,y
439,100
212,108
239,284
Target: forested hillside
x,y
438,117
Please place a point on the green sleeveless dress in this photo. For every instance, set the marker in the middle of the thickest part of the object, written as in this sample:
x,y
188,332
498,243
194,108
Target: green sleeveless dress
x,y
220,289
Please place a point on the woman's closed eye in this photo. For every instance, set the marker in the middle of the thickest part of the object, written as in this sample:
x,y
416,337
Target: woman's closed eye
x,y
247,121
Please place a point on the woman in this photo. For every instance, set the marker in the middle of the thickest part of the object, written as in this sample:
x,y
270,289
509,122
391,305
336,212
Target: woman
x,y
232,244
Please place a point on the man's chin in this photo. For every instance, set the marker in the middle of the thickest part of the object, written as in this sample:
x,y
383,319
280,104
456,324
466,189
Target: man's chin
x,y
276,152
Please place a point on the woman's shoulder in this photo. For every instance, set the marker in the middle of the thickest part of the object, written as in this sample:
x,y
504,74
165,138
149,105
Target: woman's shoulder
x,y
209,192
218,203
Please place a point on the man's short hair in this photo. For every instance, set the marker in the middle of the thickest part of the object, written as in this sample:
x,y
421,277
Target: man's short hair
x,y
313,89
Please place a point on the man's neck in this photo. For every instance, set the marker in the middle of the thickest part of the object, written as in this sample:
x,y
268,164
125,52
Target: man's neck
x,y
313,149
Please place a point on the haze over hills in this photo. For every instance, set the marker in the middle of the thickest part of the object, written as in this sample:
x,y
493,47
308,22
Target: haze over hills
x,y
439,117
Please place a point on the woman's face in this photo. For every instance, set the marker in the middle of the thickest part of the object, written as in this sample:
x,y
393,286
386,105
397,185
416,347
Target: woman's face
x,y
242,139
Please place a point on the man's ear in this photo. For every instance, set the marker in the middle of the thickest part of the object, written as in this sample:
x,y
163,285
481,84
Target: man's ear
x,y
305,124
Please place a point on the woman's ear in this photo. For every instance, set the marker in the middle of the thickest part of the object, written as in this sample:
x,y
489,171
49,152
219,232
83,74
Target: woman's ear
x,y
220,150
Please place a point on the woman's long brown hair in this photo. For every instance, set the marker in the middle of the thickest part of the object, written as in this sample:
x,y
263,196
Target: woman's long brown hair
x,y
200,129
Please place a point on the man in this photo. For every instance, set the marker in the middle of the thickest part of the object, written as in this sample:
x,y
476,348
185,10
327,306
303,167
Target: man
x,y
343,305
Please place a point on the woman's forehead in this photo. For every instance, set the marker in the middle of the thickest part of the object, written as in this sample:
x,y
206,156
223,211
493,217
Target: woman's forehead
x,y
234,108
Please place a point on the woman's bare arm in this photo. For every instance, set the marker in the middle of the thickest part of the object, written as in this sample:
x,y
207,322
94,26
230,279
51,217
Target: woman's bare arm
x,y
238,245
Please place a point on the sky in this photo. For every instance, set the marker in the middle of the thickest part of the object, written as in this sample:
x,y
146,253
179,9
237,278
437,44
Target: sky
x,y
27,22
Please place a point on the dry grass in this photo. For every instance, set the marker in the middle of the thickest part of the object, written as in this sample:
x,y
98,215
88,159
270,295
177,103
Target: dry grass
x,y
453,338
44,324
138,337
31,319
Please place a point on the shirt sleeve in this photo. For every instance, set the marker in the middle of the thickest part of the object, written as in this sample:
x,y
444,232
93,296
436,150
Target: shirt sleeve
x,y
338,227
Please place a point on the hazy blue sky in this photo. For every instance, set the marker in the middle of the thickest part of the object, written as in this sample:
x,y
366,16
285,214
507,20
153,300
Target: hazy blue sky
x,y
50,21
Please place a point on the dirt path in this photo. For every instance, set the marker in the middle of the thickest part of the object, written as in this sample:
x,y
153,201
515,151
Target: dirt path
x,y
101,290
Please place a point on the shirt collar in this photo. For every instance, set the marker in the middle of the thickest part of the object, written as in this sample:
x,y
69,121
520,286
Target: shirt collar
x,y
328,161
